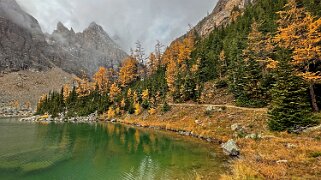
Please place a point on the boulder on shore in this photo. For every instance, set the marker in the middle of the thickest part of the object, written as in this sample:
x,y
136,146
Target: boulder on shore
x,y
230,148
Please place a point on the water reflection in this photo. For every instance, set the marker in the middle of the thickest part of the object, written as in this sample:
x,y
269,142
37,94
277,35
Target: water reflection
x,y
100,151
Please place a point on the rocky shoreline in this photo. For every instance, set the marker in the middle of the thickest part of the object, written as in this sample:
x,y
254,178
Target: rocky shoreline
x,y
62,118
8,112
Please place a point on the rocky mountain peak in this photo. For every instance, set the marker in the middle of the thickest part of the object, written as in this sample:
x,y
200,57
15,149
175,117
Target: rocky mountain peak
x,y
95,28
61,27
72,31
94,25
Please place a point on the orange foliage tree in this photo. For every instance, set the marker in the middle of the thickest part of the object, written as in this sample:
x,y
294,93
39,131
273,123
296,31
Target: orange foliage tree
x,y
300,32
260,47
178,72
102,79
114,92
128,71
152,64
84,87
66,91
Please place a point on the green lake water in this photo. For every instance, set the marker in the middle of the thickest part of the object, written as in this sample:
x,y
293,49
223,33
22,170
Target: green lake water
x,y
101,151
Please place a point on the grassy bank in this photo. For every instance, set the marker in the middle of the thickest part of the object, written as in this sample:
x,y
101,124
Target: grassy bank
x,y
267,156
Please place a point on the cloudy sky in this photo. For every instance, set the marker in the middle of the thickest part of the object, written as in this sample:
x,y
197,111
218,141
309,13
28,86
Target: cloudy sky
x,y
125,20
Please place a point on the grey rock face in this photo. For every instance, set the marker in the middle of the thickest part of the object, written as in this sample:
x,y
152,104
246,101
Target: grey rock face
x,y
91,48
23,45
221,15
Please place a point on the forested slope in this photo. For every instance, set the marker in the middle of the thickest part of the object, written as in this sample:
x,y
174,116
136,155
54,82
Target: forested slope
x,y
268,56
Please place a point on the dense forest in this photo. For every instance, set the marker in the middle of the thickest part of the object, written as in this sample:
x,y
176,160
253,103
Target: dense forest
x,y
269,56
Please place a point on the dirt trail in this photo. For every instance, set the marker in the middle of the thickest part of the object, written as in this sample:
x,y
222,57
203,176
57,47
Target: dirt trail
x,y
223,105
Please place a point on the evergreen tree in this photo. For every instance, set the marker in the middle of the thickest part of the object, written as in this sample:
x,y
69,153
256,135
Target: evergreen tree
x,y
290,107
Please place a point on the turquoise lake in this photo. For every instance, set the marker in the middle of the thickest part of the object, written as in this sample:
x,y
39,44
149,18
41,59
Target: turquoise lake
x,y
102,151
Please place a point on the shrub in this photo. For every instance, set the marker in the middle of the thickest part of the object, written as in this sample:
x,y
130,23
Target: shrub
x,y
166,107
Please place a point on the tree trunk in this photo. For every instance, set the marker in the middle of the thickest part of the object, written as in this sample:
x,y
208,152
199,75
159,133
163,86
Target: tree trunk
x,y
313,99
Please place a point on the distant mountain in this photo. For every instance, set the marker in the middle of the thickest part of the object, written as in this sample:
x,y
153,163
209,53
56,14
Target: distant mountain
x,y
24,46
89,49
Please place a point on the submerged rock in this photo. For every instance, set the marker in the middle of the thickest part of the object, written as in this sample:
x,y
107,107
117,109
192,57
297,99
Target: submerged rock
x,y
231,148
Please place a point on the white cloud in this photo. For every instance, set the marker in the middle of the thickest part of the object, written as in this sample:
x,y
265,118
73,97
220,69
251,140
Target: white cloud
x,y
130,20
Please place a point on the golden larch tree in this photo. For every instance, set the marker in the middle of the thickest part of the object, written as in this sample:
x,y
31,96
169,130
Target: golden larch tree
x,y
66,92
145,94
84,87
128,71
101,80
176,58
260,47
138,109
111,113
300,32
114,92
152,64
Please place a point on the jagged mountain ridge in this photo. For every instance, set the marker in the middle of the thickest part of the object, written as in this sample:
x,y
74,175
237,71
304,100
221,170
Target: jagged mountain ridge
x,y
24,46
91,48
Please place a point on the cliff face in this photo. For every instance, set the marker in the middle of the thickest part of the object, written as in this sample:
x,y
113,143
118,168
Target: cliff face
x,y
22,43
24,46
223,13
90,49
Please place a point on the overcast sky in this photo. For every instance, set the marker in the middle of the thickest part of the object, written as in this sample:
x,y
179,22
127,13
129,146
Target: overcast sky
x,y
129,20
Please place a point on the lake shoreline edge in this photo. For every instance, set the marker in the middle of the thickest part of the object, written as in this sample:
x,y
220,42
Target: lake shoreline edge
x,y
256,145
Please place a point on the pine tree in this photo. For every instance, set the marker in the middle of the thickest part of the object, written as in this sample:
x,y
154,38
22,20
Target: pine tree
x,y
290,107
251,88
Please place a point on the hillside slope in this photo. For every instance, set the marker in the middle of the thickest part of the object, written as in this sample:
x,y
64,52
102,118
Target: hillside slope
x,y
27,86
